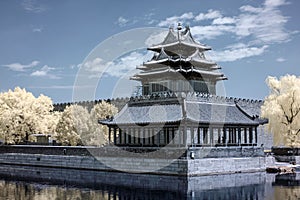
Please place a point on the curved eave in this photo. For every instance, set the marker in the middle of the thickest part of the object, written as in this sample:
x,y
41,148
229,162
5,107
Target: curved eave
x,y
208,65
216,75
178,45
112,123
253,123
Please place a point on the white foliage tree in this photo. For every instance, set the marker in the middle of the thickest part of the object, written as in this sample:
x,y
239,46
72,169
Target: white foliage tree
x,y
73,123
282,109
21,114
77,126
99,133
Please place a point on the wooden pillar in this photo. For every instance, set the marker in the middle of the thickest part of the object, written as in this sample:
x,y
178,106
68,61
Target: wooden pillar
x,y
138,134
126,136
120,136
144,136
256,136
166,130
205,136
245,135
173,135
211,136
130,136
219,136
192,136
234,135
115,135
199,135
109,135
250,135
225,135
239,136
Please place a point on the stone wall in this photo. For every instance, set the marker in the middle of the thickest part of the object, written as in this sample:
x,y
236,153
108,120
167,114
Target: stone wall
x,y
172,161
142,152
178,167
225,165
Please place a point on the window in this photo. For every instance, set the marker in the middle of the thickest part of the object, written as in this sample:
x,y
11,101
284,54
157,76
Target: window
x,y
146,90
200,86
159,87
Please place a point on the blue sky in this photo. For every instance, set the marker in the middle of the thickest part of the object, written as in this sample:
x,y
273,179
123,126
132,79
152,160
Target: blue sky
x,y
44,43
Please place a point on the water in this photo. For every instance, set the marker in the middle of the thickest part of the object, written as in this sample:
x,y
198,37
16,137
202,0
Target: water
x,y
26,183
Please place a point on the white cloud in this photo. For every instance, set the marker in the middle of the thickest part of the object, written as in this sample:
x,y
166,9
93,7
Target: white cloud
x,y
275,3
264,24
258,27
117,68
210,31
44,72
33,6
280,59
233,54
21,67
224,20
38,30
122,21
211,14
62,87
170,21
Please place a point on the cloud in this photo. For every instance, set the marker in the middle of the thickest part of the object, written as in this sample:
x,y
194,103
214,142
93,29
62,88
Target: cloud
x,y
62,87
44,72
280,59
224,20
175,19
210,31
21,67
275,3
122,21
258,27
33,6
237,52
211,14
264,24
37,30
99,67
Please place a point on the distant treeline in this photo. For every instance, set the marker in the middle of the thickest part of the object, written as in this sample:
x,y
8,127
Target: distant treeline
x,y
118,102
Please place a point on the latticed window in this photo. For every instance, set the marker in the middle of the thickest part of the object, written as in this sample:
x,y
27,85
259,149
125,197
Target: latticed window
x,y
200,86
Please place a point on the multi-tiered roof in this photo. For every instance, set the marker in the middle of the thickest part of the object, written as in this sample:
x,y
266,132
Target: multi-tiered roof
x,y
179,56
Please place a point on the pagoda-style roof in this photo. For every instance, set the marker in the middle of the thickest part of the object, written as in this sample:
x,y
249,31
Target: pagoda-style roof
x,y
170,72
179,42
179,53
206,110
196,59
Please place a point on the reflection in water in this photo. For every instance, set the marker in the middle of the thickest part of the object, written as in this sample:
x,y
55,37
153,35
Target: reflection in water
x,y
24,183
31,191
287,186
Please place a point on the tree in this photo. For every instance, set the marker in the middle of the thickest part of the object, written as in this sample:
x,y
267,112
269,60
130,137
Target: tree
x,y
282,109
79,127
73,123
21,114
99,133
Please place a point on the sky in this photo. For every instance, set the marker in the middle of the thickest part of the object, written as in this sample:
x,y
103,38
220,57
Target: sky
x,y
48,46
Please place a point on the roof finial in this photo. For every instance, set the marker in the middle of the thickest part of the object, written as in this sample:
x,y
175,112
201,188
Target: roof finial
x,y
179,27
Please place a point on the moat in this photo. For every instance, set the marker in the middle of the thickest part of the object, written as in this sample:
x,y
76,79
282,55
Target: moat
x,y
18,182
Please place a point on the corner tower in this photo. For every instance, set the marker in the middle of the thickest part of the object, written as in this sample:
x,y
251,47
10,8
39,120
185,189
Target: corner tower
x,y
179,65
